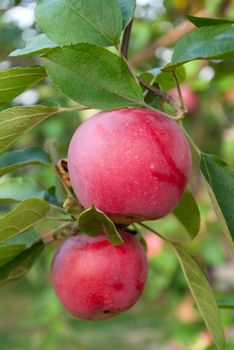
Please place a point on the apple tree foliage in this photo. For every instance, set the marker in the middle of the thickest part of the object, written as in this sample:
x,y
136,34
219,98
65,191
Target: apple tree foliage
x,y
82,49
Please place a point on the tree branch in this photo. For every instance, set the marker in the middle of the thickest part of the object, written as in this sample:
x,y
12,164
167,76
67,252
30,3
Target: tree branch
x,y
126,39
173,102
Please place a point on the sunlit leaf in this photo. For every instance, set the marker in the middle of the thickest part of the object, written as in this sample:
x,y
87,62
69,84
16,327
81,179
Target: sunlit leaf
x,y
93,76
73,21
37,45
213,42
14,81
14,122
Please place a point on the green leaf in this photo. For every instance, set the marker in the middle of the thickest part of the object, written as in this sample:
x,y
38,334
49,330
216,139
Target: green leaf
x,y
93,222
220,181
127,10
16,189
25,215
14,81
204,21
21,264
214,42
226,304
93,76
72,21
203,295
187,212
14,122
13,160
37,45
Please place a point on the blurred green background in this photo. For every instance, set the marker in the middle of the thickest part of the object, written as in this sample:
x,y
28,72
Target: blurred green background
x,y
165,318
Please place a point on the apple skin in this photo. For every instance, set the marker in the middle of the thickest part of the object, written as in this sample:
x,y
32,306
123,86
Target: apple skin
x,y
129,162
189,96
95,280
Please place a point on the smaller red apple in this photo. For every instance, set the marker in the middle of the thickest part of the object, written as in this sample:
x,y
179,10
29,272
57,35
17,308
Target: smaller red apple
x,y
189,96
95,280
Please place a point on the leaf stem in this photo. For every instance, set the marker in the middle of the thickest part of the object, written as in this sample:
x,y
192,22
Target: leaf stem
x,y
183,108
155,232
173,102
126,39
192,143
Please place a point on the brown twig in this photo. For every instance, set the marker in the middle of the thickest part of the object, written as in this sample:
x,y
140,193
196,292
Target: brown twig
x,y
173,102
126,39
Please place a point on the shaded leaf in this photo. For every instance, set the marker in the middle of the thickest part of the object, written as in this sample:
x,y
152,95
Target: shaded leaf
x,y
21,264
213,42
202,294
127,10
7,253
14,81
16,189
204,21
187,212
25,215
37,45
220,180
72,21
13,246
93,76
13,160
93,222
14,122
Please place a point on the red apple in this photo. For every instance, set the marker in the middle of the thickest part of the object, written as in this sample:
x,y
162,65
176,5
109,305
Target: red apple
x,y
95,280
130,162
189,96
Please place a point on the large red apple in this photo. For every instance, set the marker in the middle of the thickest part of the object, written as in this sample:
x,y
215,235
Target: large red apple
x,y
96,280
129,162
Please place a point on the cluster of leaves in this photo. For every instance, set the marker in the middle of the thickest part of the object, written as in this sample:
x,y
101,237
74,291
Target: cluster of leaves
x,y
80,49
